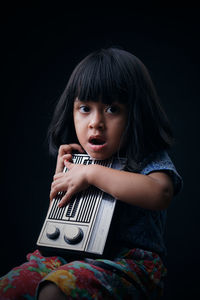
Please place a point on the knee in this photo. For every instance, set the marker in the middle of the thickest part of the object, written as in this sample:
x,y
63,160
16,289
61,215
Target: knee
x,y
50,291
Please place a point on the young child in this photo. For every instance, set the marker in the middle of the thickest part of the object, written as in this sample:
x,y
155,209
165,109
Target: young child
x,y
109,107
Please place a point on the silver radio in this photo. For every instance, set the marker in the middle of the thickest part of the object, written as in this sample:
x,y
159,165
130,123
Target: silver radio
x,y
83,224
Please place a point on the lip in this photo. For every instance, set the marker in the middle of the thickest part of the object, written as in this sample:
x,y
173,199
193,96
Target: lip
x,y
97,147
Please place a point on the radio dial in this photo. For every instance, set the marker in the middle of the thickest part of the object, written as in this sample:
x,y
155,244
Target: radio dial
x,y
73,234
52,232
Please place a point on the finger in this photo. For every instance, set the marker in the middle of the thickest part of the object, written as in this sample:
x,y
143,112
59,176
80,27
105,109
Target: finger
x,y
65,199
56,182
68,164
67,157
52,195
60,162
67,149
57,176
63,150
55,190
77,147
59,165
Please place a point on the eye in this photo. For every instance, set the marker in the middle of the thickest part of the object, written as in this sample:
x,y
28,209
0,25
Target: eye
x,y
84,109
112,109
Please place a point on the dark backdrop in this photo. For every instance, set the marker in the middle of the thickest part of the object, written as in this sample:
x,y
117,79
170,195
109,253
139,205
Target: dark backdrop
x,y
41,46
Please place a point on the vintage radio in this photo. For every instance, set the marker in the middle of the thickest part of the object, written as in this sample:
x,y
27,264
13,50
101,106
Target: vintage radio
x,y
83,224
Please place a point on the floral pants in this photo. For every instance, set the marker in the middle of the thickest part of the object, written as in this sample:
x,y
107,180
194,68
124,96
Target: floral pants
x,y
136,274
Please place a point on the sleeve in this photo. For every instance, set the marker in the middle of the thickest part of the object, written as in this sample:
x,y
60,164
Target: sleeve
x,y
160,161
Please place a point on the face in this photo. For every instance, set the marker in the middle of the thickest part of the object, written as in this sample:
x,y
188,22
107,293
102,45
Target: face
x,y
99,127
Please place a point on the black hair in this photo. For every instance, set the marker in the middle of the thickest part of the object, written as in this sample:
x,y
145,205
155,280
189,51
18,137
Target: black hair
x,y
111,75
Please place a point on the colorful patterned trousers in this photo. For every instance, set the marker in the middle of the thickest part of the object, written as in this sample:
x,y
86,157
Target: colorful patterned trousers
x,y
136,274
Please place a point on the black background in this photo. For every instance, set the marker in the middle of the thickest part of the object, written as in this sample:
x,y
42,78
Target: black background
x,y
41,46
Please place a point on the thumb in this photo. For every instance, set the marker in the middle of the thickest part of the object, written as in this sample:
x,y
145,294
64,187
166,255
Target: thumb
x,y
69,165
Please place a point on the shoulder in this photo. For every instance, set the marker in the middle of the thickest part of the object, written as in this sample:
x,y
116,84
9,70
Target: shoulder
x,y
161,162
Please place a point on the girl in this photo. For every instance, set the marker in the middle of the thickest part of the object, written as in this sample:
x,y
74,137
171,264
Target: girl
x,y
109,107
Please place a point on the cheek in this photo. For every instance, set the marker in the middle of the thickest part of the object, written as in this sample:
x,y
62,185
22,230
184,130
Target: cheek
x,y
120,130
77,122
120,126
77,131
80,129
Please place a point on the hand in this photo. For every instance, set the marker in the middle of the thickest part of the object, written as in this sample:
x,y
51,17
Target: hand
x,y
71,182
65,153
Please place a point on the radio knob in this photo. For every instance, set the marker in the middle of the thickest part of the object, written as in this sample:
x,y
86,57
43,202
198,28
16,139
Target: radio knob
x,y
73,234
52,232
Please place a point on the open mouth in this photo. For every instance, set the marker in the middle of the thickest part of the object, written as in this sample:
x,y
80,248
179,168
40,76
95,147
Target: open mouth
x,y
97,141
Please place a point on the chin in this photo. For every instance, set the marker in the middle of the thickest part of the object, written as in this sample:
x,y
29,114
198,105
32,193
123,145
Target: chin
x,y
101,156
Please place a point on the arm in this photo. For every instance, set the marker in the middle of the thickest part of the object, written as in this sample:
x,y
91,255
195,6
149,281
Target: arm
x,y
153,191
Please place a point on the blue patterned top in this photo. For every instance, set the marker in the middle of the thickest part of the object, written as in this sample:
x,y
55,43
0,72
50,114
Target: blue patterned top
x,y
143,228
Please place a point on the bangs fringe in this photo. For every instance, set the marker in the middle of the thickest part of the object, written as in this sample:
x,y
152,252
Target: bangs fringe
x,y
98,78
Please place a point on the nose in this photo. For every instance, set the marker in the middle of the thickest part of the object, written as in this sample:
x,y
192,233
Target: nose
x,y
97,121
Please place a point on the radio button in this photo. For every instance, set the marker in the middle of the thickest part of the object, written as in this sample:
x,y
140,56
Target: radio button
x,y
73,234
52,232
